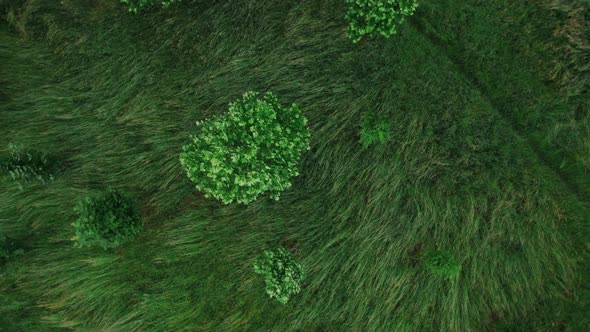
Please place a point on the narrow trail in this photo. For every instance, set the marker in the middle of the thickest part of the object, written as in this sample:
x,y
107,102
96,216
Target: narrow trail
x,y
576,182
577,186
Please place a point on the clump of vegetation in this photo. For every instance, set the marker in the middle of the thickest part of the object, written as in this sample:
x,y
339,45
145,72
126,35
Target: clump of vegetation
x,y
107,220
25,166
4,252
441,263
282,274
8,249
252,149
377,17
374,129
137,5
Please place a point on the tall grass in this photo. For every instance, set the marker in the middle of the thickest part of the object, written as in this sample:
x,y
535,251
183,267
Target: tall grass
x,y
513,51
116,95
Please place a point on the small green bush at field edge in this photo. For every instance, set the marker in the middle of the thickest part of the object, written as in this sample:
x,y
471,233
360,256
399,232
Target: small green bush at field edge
x,y
252,149
377,17
137,5
107,220
441,263
374,129
282,274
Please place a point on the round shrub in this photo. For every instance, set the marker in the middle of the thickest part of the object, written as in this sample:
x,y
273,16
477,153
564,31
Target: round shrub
x,y
282,274
253,148
373,17
107,220
441,263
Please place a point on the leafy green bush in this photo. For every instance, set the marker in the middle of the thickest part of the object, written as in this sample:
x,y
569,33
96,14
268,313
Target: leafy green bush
x,y
282,274
137,5
374,129
372,17
24,166
252,149
441,263
108,220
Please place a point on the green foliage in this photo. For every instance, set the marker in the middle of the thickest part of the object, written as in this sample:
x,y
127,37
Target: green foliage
x,y
282,274
345,204
252,149
373,17
25,166
4,251
441,263
8,249
107,220
137,5
374,129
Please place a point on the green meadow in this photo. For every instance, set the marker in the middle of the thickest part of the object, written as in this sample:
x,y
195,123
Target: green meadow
x,y
488,160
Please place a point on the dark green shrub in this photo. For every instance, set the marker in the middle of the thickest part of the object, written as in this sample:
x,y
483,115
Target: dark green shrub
x,y
107,220
441,263
373,17
25,166
252,149
137,5
374,129
4,250
8,249
282,274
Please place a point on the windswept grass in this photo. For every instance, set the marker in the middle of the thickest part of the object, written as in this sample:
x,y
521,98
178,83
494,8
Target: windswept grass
x,y
511,50
116,96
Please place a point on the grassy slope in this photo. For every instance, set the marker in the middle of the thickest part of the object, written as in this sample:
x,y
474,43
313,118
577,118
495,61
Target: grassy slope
x,y
507,49
118,100
531,61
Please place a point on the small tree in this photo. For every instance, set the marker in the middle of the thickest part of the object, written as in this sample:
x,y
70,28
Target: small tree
x,y
441,263
252,149
108,220
372,17
282,274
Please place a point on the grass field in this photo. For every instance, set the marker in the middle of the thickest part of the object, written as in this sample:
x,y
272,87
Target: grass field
x,y
489,161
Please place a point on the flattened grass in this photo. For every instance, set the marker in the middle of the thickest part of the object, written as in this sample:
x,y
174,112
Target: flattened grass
x,y
118,97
